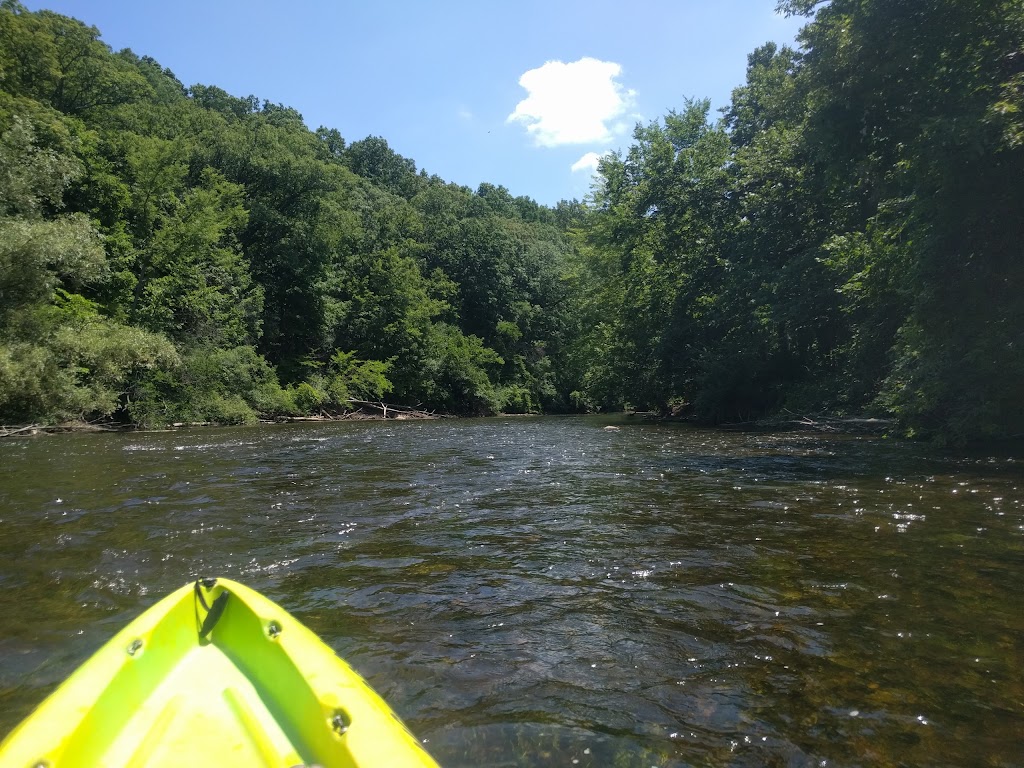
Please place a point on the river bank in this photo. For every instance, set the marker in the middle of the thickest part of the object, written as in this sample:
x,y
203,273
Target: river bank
x,y
366,412
818,424
784,422
789,423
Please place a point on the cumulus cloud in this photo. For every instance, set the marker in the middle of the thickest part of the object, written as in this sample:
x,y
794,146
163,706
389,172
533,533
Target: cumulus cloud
x,y
588,162
572,103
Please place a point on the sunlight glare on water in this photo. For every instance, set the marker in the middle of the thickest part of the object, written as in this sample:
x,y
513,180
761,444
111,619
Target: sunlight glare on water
x,y
529,592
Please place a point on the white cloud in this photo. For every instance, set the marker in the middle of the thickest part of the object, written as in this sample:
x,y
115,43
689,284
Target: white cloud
x,y
465,114
572,103
588,162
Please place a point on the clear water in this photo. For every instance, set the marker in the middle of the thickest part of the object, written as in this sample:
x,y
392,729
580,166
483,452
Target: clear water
x,y
535,592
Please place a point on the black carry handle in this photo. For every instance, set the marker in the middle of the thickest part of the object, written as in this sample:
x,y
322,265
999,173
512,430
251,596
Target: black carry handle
x,y
213,612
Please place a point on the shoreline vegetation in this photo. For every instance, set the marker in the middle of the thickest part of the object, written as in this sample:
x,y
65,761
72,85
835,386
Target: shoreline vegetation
x,y
841,241
362,411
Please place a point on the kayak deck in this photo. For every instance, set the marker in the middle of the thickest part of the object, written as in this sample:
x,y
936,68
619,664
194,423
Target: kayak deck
x,y
164,728
214,674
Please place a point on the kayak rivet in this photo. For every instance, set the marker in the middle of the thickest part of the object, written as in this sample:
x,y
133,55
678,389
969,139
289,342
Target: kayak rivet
x,y
273,629
135,647
340,722
41,764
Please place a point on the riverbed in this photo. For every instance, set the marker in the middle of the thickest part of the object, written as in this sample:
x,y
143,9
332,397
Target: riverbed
x,y
552,591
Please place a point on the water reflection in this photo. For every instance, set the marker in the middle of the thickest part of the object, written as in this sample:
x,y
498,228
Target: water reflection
x,y
542,591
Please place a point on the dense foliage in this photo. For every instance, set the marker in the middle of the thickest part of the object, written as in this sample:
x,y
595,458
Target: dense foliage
x,y
179,254
843,239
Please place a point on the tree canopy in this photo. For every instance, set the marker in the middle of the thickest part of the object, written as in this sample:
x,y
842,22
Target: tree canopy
x,y
844,239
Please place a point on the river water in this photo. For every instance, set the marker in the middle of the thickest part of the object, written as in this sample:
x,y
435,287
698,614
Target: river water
x,y
550,592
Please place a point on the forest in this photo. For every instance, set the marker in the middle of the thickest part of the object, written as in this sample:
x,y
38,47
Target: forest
x,y
842,239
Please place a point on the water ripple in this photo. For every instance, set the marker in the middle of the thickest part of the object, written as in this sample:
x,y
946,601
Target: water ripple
x,y
542,591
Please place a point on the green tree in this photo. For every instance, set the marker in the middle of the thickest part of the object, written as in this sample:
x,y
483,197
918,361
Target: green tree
x,y
660,216
59,358
913,129
195,286
62,62
373,159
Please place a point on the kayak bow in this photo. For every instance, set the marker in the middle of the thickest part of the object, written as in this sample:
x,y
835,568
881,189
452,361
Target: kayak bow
x,y
214,674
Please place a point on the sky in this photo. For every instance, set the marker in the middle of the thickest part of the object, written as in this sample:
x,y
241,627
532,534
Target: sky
x,y
525,94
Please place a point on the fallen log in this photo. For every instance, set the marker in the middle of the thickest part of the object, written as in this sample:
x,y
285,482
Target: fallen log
x,y
73,426
395,411
11,431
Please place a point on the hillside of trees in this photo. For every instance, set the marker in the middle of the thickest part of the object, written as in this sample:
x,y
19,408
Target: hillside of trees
x,y
842,239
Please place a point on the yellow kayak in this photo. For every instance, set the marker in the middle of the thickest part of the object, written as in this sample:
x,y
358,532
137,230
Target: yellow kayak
x,y
214,675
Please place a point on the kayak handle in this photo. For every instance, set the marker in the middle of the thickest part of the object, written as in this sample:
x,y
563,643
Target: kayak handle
x,y
213,612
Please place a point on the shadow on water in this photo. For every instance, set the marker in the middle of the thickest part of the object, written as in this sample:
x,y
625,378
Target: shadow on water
x,y
532,592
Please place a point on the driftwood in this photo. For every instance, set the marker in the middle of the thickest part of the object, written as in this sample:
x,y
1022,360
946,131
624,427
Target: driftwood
x,y
786,420
359,410
395,411
366,410
845,425
816,423
11,431
71,426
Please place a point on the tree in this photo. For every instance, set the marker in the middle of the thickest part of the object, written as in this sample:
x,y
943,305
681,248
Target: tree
x,y
61,62
373,159
59,358
919,120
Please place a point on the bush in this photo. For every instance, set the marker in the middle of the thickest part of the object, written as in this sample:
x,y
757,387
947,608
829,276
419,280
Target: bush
x,y
307,397
80,366
225,386
229,410
517,399
456,373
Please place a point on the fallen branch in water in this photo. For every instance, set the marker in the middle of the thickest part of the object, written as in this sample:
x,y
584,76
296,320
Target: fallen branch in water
x,y
10,431
71,426
367,410
820,423
396,411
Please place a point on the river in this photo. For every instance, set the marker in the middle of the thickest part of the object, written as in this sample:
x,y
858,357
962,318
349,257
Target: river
x,y
549,591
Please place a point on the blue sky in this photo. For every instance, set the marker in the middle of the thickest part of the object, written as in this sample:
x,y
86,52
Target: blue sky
x,y
511,93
